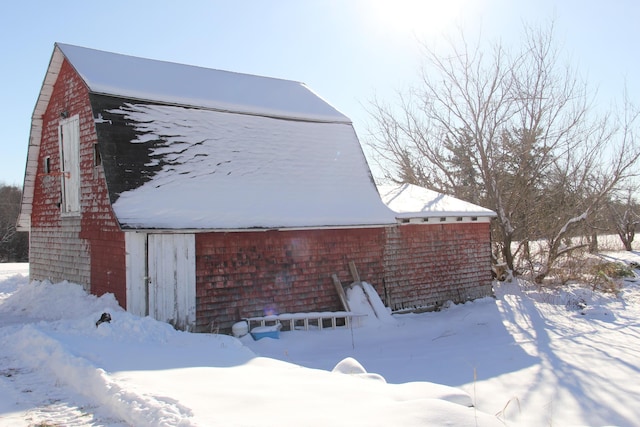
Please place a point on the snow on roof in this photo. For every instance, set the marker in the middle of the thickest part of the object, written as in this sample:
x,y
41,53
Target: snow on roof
x,y
167,82
411,201
222,170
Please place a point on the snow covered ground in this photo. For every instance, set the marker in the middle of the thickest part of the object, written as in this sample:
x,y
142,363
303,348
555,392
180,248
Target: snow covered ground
x,y
527,358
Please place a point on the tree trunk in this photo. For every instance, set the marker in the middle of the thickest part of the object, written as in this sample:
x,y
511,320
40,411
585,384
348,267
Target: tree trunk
x,y
593,244
506,251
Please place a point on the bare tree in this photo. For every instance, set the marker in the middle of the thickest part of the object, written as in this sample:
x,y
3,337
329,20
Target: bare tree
x,y
593,172
624,214
511,131
13,245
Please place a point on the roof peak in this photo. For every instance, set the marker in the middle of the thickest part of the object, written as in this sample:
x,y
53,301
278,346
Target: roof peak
x,y
66,46
195,86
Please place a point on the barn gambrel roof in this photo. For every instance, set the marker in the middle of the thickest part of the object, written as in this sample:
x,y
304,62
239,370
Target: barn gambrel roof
x,y
179,84
186,147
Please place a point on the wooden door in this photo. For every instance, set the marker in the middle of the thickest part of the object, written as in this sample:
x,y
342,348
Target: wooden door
x,y
161,277
137,273
172,279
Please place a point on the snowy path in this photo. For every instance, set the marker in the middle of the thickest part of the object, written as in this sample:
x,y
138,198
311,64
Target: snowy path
x,y
69,388
47,382
37,400
36,396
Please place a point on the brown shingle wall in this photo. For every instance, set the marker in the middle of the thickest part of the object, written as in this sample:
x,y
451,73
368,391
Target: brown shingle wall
x,y
427,265
243,274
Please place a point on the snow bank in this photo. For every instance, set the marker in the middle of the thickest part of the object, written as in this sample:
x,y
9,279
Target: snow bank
x,y
405,391
142,372
45,301
37,350
533,356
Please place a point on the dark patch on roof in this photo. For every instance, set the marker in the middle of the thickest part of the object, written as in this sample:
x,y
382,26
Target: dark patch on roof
x,y
126,165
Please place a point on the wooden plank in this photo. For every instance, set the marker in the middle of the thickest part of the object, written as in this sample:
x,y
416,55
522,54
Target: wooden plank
x,y
358,282
354,271
370,292
340,290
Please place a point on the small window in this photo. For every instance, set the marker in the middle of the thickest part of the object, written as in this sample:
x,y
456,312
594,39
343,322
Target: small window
x,y
443,218
97,160
46,165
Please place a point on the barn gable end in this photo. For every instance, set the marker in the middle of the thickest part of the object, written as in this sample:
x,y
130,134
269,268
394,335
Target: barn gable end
x,y
61,245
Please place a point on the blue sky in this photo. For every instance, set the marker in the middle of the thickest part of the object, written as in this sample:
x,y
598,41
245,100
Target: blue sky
x,y
345,50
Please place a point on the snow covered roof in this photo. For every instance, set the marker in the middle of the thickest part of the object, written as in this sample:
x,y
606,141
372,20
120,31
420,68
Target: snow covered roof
x,y
411,201
172,83
216,170
186,147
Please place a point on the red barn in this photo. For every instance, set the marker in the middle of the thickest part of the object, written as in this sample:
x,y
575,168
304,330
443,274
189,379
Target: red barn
x,y
201,196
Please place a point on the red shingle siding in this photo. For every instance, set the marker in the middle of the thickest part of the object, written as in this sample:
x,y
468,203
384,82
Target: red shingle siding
x,y
87,249
108,269
100,228
243,274
427,265
56,250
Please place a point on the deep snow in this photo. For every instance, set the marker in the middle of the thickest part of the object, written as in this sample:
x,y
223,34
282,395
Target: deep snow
x,y
528,357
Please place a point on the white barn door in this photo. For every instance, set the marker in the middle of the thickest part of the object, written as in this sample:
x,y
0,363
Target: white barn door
x,y
161,277
172,279
137,273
